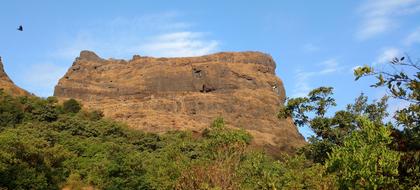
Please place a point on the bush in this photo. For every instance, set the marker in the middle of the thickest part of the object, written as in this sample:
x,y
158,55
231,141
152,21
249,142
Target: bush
x,y
71,106
11,111
365,160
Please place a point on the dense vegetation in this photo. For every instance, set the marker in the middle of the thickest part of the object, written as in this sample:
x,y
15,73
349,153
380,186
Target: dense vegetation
x,y
45,144
48,145
356,144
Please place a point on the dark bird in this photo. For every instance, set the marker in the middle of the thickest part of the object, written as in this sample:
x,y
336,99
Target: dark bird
x,y
402,58
20,28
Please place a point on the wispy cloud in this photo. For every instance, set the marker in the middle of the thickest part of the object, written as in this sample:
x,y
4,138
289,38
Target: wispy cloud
x,y
329,66
310,47
379,16
302,86
162,35
152,35
40,78
387,55
303,78
179,44
71,48
413,37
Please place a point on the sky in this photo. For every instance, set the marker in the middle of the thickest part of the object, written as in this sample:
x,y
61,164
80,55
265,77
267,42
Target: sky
x,y
314,43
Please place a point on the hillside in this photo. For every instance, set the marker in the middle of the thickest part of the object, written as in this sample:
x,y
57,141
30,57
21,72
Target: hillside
x,y
7,85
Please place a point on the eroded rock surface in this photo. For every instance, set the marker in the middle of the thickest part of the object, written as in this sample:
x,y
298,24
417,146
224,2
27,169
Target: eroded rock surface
x,y
8,86
163,94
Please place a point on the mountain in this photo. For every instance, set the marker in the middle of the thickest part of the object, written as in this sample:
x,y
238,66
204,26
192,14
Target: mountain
x,y
7,85
165,94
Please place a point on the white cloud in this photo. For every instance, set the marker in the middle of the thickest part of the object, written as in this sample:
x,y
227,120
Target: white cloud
x,y
379,16
329,66
165,21
303,78
70,49
309,47
413,37
178,44
160,34
387,55
40,78
374,26
302,86
150,35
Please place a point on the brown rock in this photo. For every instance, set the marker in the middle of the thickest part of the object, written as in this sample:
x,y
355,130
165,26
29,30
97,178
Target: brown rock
x,y
163,94
8,86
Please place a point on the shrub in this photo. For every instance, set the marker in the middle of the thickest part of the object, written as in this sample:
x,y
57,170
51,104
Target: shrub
x,y
11,111
365,161
71,106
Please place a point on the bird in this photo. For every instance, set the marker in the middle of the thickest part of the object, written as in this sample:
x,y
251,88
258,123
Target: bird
x,y
20,28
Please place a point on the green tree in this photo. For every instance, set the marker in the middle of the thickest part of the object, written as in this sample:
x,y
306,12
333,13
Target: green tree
x,y
29,161
365,161
71,106
40,109
403,86
401,78
329,131
11,111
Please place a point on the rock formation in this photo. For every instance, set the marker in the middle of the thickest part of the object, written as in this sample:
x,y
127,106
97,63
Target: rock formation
x,y
164,94
8,86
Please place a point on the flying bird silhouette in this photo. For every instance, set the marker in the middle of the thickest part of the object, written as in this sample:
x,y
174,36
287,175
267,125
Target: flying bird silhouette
x,y
20,28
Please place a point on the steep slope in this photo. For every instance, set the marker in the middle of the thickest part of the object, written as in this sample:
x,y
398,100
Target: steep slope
x,y
8,86
163,94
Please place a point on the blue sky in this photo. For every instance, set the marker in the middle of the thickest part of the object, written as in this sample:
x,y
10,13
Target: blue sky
x,y
314,43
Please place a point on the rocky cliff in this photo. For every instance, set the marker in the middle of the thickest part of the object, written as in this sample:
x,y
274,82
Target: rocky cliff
x,y
7,85
163,94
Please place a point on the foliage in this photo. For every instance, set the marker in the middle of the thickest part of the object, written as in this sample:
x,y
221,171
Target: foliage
x,y
365,153
11,111
318,101
409,170
231,165
365,161
329,131
401,86
71,106
291,172
48,145
402,81
29,162
222,152
43,145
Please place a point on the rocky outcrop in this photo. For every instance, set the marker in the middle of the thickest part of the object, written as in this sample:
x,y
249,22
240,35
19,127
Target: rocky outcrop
x,y
164,94
8,86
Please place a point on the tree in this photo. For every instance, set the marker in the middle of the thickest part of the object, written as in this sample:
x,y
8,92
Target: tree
x,y
11,111
364,161
402,80
401,86
329,131
71,106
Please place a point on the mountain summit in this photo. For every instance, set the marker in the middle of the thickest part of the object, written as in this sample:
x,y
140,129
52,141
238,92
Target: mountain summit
x,y
165,94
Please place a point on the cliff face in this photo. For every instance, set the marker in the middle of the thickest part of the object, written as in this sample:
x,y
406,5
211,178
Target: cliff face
x,y
163,94
8,86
